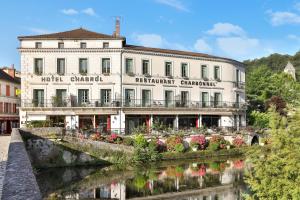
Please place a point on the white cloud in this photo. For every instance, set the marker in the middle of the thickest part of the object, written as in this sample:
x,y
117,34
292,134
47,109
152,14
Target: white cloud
x,y
155,40
226,29
69,11
202,46
39,31
177,4
294,37
239,47
89,11
297,6
283,17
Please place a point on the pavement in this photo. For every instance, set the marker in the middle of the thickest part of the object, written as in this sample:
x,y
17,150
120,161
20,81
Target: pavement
x,y
4,144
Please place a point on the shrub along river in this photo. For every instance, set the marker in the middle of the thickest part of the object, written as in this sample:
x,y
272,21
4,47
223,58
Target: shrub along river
x,y
188,179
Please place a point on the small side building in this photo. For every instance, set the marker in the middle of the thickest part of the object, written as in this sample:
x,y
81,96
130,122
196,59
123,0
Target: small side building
x,y
9,100
290,69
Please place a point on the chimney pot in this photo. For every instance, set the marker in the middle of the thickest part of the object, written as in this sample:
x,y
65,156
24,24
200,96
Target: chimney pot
x,y
117,28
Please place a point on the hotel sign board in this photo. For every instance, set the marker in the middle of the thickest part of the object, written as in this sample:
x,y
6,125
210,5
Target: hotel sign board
x,y
144,80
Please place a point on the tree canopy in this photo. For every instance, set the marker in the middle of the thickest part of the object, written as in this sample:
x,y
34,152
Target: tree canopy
x,y
275,170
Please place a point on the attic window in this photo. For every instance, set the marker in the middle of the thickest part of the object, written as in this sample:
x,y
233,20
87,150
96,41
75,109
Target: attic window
x,y
82,45
38,45
60,45
105,45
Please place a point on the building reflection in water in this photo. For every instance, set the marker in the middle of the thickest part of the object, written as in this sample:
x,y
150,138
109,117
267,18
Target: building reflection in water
x,y
192,181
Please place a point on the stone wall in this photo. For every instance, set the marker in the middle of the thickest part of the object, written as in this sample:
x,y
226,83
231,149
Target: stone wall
x,y
19,182
44,131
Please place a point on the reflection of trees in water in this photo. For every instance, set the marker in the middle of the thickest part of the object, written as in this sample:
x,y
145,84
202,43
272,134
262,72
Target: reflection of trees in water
x,y
177,179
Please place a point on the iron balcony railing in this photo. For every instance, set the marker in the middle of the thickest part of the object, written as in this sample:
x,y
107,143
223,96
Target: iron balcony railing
x,y
239,85
133,103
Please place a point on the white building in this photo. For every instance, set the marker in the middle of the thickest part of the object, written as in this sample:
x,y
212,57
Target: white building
x,y
82,78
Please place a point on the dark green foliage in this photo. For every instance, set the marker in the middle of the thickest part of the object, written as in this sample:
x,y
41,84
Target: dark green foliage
x,y
145,151
39,123
275,170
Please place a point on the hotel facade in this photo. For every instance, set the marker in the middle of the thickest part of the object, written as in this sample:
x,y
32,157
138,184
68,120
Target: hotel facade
x,y
83,79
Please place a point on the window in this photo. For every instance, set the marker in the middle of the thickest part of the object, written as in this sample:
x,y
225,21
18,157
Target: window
x,y
14,108
204,99
145,67
237,100
217,99
184,70
129,66
83,96
105,45
129,97
146,98
7,90
38,66
204,72
105,97
105,66
168,98
168,69
237,77
6,107
38,97
82,45
61,45
61,96
61,62
83,66
38,45
217,73
1,107
184,97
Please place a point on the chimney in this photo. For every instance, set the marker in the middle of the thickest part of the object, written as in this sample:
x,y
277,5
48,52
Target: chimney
x,y
117,28
11,71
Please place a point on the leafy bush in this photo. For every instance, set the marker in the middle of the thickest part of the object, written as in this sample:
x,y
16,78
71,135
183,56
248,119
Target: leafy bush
x,y
40,123
140,141
260,119
279,104
179,148
96,137
217,142
128,141
172,141
145,151
199,141
238,142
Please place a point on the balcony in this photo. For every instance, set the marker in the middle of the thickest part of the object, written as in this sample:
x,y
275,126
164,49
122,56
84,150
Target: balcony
x,y
239,85
133,103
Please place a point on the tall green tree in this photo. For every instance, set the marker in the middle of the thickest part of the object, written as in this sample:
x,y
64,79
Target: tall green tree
x,y
275,171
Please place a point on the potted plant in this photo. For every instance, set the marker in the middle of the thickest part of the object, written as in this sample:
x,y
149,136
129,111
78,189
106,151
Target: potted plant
x,y
194,146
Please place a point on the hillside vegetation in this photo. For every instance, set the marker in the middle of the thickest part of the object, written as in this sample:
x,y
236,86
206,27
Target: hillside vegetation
x,y
276,62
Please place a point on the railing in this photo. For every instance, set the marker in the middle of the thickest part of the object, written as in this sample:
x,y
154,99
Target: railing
x,y
134,103
239,85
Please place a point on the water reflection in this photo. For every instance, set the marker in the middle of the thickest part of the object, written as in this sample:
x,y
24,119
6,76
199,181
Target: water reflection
x,y
190,180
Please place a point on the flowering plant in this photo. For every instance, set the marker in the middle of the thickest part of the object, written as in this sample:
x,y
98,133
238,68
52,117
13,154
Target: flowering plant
x,y
217,142
199,141
238,142
114,138
173,142
96,137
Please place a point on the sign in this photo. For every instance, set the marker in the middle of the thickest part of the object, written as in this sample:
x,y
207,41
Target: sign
x,y
72,79
173,82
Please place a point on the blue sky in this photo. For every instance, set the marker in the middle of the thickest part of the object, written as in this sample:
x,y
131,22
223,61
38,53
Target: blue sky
x,y
239,29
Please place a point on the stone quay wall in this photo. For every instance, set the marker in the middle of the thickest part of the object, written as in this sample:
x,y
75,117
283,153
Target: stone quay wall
x,y
19,182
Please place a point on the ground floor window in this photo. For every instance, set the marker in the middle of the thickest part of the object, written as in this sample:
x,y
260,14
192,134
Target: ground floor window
x,y
187,122
165,120
86,122
103,123
134,121
58,121
210,120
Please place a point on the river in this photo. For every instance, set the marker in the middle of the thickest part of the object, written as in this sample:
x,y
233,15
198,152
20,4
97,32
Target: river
x,y
186,180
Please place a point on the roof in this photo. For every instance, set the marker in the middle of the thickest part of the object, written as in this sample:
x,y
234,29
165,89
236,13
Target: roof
x,y
178,52
6,77
79,33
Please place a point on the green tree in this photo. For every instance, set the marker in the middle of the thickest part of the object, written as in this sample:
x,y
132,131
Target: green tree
x,y
275,171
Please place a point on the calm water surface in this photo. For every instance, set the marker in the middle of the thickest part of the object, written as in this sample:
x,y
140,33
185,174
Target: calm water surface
x,y
190,180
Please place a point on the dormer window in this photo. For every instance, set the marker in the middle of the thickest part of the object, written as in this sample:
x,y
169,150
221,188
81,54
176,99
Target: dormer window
x,y
61,45
105,45
38,45
82,45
